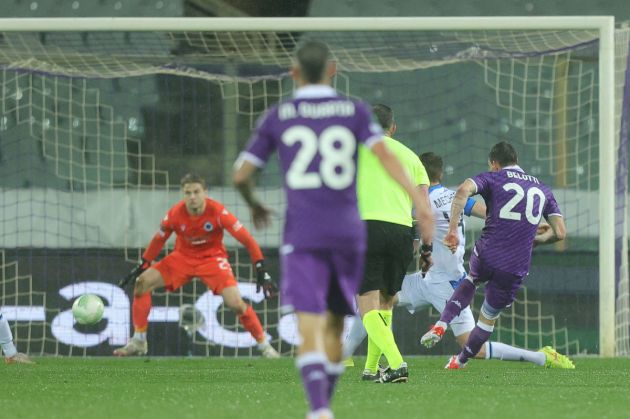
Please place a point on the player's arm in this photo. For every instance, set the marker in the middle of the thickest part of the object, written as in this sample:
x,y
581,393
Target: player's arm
x,y
254,157
151,252
465,191
555,233
263,280
478,209
419,194
244,182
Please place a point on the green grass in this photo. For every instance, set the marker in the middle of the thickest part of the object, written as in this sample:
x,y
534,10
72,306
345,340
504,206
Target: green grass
x,y
256,388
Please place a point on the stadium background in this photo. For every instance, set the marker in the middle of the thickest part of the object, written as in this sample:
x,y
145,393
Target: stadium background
x,y
181,123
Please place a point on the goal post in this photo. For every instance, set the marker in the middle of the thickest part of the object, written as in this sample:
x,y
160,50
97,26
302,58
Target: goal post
x,y
602,27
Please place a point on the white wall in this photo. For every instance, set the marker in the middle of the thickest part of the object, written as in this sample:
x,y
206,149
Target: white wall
x,y
119,218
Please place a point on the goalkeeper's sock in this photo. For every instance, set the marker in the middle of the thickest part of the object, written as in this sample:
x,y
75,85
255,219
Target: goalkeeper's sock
x,y
6,338
333,371
251,323
498,350
378,330
140,314
460,299
356,335
477,338
312,366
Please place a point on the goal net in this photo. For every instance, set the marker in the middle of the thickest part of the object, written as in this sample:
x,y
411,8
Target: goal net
x,y
97,127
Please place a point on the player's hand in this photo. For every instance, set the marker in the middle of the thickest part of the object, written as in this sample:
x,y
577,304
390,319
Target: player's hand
x,y
261,215
264,282
135,273
542,228
451,241
426,259
543,232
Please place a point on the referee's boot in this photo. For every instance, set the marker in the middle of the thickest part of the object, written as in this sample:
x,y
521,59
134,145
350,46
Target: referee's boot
x,y
399,375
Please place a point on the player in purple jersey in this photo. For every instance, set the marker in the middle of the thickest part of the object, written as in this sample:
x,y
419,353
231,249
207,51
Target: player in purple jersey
x,y
501,257
317,134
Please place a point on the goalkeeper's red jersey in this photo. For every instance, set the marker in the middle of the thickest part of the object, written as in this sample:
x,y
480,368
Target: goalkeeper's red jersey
x,y
201,236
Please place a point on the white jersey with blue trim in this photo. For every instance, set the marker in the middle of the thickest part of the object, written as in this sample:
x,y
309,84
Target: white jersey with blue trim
x,y
447,266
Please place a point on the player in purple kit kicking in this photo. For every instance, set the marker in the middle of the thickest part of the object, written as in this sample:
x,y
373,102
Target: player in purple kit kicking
x,y
501,257
317,134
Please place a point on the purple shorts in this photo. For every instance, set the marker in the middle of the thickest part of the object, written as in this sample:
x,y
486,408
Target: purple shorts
x,y
501,287
316,281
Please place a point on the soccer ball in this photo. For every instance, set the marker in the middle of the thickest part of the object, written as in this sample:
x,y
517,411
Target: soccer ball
x,y
88,309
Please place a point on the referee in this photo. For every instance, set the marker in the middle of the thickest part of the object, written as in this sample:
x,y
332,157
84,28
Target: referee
x,y
387,208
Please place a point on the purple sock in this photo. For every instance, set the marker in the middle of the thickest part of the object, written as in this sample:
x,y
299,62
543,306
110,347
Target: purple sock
x,y
312,366
333,371
477,338
460,299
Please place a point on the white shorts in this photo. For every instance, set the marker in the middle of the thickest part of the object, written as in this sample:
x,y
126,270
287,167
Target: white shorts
x,y
418,293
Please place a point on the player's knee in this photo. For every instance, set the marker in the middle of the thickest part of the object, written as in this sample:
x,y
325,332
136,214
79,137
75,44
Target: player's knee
x,y
335,324
490,312
142,286
236,304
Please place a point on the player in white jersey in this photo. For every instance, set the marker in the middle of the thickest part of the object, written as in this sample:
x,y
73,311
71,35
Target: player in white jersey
x,y
420,290
11,355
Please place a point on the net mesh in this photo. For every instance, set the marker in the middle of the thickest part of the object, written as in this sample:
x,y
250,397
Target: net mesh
x,y
96,129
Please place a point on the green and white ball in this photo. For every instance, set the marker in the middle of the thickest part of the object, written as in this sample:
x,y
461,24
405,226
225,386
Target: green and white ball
x,y
88,309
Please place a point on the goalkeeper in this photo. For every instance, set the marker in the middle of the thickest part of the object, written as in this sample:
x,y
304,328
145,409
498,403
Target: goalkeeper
x,y
199,252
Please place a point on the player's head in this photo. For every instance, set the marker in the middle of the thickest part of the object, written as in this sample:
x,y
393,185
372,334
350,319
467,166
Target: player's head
x,y
502,155
195,191
434,166
385,117
312,64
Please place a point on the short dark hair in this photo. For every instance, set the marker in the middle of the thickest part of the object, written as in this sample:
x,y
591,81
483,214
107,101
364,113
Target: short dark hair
x,y
434,166
384,114
192,178
312,58
503,153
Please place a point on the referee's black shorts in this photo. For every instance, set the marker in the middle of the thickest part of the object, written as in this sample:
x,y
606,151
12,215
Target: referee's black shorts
x,y
389,252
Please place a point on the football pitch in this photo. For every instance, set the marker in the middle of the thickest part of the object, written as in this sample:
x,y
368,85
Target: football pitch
x,y
259,388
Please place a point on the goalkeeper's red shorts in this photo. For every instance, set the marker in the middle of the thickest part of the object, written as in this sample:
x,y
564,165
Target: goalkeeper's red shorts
x,y
177,270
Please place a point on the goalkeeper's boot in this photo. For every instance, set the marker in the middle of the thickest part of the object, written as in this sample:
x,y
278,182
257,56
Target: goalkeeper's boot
x,y
433,336
399,375
348,363
454,364
553,359
133,347
267,351
18,358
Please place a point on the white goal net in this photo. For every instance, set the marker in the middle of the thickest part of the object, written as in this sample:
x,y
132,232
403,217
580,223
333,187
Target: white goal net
x,y
97,127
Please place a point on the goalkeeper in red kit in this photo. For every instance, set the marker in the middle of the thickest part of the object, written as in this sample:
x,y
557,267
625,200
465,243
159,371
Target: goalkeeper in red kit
x,y
198,222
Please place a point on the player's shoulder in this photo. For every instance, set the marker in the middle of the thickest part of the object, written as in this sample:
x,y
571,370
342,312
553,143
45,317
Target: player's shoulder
x,y
439,190
270,114
214,206
177,211
178,207
402,151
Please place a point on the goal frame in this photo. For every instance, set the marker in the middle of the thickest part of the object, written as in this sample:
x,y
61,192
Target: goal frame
x,y
605,25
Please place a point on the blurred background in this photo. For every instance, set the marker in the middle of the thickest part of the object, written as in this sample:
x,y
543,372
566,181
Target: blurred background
x,y
97,128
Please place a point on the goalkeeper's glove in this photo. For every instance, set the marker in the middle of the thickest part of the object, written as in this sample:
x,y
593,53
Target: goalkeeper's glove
x,y
263,281
135,273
